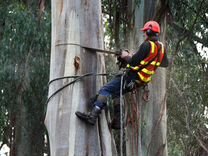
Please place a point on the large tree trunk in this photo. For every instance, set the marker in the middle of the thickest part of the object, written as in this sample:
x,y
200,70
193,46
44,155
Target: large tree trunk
x,y
28,132
146,121
76,22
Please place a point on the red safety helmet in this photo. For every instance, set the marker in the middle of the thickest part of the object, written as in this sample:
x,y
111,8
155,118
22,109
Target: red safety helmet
x,y
151,25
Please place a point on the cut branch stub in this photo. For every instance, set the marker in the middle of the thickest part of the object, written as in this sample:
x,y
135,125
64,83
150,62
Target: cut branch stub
x,y
77,63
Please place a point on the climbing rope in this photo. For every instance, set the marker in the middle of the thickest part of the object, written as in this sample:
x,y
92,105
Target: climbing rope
x,y
77,78
90,48
82,76
121,116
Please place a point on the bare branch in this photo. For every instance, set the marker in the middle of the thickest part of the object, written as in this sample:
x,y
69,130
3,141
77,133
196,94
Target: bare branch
x,y
181,94
182,30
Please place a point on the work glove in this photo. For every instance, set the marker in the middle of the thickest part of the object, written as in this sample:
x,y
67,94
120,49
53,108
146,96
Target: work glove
x,y
124,53
122,58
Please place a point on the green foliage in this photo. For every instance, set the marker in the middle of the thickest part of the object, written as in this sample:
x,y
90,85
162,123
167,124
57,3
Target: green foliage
x,y
188,88
187,100
116,21
24,63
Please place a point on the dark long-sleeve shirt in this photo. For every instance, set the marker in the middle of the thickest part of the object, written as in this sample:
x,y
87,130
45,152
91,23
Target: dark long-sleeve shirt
x,y
143,53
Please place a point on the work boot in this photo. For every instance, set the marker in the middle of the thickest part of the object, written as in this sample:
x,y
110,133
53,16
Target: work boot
x,y
89,117
115,123
98,103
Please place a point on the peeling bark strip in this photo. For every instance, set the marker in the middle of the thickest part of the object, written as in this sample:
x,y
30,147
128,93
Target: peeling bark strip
x,y
76,22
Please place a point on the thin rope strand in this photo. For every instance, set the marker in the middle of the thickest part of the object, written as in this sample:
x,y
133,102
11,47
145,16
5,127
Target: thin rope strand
x,y
121,116
77,78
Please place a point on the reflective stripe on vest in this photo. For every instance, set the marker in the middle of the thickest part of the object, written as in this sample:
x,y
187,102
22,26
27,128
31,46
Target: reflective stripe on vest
x,y
161,55
144,79
147,71
151,63
133,68
153,53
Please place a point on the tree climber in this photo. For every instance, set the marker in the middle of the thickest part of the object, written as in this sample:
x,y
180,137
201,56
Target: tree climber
x,y
140,68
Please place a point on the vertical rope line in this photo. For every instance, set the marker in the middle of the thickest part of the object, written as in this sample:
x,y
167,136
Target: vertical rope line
x,y
121,116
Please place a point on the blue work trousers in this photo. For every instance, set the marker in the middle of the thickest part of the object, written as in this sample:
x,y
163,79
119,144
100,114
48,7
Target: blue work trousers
x,y
113,88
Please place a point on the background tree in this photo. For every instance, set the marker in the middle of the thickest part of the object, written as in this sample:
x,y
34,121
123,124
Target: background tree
x,y
24,55
187,102
146,122
188,26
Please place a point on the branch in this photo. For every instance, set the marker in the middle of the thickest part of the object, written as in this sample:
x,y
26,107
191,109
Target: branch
x,y
2,144
190,32
192,9
162,9
181,94
201,143
182,30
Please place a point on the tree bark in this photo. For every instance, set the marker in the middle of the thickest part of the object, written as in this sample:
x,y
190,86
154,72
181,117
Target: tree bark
x,y
146,121
76,22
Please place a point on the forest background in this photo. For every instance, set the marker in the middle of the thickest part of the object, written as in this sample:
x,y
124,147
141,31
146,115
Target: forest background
x,y
25,38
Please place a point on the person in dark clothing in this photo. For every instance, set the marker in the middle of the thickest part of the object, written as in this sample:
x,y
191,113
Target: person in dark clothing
x,y
141,66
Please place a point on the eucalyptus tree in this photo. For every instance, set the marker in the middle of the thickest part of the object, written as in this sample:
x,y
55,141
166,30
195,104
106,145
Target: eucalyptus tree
x,y
76,24
146,121
148,133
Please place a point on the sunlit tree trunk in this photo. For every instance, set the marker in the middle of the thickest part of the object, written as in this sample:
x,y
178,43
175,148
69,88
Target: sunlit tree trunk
x,y
146,121
76,22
